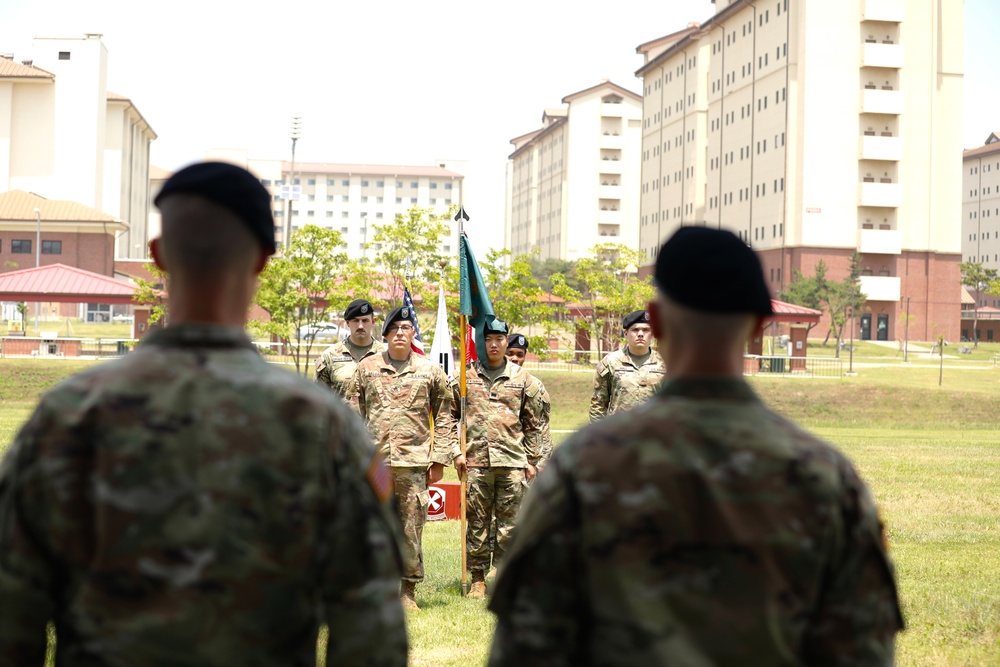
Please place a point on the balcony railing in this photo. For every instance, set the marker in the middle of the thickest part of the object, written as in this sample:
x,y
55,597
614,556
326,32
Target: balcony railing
x,y
880,242
880,194
881,101
889,56
881,148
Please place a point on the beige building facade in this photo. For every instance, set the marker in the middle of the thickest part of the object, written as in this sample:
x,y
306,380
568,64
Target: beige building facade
x,y
981,210
573,183
354,199
811,130
64,136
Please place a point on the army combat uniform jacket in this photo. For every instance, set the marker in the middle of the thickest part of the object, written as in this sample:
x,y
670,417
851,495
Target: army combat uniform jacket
x,y
699,529
396,406
191,503
335,367
620,385
507,420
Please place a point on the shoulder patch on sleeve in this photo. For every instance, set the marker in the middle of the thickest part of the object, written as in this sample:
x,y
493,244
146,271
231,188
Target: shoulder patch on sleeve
x,y
379,478
602,369
533,388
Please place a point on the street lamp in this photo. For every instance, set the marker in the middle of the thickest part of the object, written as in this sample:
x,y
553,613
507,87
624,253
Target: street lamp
x,y
38,251
296,135
906,335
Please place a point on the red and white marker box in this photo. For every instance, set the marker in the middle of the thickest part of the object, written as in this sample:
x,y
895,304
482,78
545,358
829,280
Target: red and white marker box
x,y
445,501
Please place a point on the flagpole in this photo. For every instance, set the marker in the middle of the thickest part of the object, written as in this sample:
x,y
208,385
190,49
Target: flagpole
x,y
463,327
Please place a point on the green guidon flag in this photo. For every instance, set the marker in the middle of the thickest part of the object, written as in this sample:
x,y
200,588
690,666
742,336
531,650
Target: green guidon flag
x,y
474,300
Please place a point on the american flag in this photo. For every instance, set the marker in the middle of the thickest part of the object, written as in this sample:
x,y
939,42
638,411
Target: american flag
x,y
417,345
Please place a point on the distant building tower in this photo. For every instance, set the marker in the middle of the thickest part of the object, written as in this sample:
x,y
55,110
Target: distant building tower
x,y
811,130
574,183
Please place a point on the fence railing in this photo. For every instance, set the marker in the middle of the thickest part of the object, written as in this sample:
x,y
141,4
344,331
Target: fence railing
x,y
813,367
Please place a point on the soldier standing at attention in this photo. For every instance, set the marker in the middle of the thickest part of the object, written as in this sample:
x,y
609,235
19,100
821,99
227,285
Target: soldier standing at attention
x,y
627,377
517,351
507,423
396,393
335,367
700,528
190,502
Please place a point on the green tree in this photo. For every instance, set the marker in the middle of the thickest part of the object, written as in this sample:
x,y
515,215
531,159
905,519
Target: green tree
x,y
517,297
304,287
842,298
543,271
806,291
410,246
22,310
612,289
981,279
150,292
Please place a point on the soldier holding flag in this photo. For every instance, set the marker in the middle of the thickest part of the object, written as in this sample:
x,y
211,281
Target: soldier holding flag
x,y
508,423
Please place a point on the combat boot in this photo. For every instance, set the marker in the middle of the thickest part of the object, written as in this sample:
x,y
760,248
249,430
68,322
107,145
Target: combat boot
x,y
408,596
478,589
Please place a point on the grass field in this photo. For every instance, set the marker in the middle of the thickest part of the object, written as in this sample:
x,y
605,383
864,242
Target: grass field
x,y
931,456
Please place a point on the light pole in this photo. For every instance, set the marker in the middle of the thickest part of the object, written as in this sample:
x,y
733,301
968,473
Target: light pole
x,y
38,251
850,364
906,335
296,135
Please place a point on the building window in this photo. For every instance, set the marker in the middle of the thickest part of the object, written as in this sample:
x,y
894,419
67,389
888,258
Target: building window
x,y
296,182
364,199
343,197
399,184
379,200
434,186
329,181
414,185
51,247
312,181
399,200
265,181
311,197
19,247
345,183
343,214
329,214
343,230
364,184
380,184
413,200
447,186
64,55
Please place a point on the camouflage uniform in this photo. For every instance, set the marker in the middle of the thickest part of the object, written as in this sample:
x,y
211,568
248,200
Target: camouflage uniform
x,y
508,426
699,529
192,504
397,406
335,367
620,385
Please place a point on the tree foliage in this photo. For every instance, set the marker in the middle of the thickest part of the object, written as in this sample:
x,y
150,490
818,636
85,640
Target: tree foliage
x,y
544,270
150,292
304,287
517,296
410,246
837,299
612,289
980,279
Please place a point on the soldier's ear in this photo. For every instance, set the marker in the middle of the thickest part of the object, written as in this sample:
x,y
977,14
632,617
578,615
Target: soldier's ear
x,y
156,252
654,318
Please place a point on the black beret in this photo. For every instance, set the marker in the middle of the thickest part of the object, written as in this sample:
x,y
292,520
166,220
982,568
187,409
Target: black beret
x,y
234,188
517,341
358,308
495,326
398,315
712,271
635,317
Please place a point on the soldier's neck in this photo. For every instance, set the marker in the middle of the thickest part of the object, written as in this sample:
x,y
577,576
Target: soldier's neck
x,y
694,359
224,305
395,356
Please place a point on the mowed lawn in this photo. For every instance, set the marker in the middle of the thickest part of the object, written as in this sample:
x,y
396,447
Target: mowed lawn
x,y
930,454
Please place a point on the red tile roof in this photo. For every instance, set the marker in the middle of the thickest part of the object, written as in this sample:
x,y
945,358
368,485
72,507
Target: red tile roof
x,y
368,169
782,308
58,282
11,69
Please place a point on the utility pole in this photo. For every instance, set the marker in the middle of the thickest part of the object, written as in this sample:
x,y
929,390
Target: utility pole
x,y
38,253
291,196
906,335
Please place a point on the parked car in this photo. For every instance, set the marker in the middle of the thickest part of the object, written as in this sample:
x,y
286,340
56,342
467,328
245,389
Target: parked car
x,y
319,331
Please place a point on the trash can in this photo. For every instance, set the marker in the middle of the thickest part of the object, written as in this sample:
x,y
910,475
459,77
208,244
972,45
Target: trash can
x,y
122,348
777,364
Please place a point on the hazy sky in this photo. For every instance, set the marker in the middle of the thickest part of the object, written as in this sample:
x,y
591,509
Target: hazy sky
x,y
391,82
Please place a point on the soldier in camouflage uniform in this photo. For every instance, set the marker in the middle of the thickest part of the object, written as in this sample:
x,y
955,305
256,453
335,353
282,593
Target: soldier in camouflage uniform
x,y
627,377
191,504
507,427
517,351
700,528
335,367
396,393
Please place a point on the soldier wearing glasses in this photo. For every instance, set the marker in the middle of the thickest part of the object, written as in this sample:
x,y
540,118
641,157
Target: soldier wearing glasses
x,y
396,393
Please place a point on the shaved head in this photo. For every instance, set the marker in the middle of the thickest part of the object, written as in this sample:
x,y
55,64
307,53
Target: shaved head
x,y
202,239
682,323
